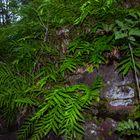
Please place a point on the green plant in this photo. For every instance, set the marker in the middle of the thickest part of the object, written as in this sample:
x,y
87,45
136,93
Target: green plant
x,y
33,71
61,112
97,8
136,112
128,128
12,87
90,52
68,64
128,31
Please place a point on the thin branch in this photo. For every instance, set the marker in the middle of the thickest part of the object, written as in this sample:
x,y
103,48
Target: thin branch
x,y
43,25
135,71
41,21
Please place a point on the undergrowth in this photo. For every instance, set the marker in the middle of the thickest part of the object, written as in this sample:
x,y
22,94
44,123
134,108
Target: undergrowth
x,y
55,40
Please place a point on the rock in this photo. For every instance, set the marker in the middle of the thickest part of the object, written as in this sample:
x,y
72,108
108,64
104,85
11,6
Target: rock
x,y
117,90
8,136
101,131
117,101
92,131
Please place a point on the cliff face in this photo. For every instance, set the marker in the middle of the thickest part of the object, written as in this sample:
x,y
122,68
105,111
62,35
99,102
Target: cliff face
x,y
117,102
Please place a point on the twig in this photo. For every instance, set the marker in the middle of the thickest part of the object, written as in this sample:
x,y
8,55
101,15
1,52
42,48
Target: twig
x,y
41,21
135,71
43,25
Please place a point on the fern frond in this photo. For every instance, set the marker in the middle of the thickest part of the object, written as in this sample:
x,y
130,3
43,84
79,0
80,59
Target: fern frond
x,y
68,64
12,88
61,112
128,128
26,129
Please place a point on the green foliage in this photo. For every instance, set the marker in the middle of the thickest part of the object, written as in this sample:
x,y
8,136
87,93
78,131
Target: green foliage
x,y
12,87
97,8
90,52
68,64
33,69
61,112
100,45
136,113
127,31
80,47
128,128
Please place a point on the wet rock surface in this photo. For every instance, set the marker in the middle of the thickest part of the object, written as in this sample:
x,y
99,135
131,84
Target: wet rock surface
x,y
101,131
118,90
117,99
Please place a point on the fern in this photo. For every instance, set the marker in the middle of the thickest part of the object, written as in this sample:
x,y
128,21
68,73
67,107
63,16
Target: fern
x,y
13,90
128,31
90,52
125,65
97,8
128,128
34,73
80,48
61,112
69,64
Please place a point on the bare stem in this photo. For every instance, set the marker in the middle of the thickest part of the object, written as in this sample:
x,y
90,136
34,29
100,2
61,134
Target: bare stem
x,y
43,25
41,21
135,72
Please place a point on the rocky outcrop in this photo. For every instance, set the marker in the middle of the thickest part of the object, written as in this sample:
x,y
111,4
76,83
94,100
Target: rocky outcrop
x,y
117,100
